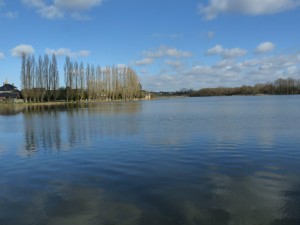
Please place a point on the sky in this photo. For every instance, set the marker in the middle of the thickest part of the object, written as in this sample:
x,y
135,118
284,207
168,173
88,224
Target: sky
x,y
170,44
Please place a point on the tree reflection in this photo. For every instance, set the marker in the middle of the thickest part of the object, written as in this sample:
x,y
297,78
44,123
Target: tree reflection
x,y
42,131
58,127
10,109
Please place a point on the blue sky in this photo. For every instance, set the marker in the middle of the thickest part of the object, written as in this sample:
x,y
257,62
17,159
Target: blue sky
x,y
170,44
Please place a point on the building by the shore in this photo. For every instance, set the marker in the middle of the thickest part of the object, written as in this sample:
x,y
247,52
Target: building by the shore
x,y
9,92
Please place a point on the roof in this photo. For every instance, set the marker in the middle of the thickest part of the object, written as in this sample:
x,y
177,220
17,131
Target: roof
x,y
8,87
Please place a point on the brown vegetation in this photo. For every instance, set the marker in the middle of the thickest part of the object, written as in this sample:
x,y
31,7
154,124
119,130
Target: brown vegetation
x,y
40,81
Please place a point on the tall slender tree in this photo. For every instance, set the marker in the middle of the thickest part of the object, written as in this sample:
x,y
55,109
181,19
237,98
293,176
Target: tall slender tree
x,y
24,88
47,80
81,80
39,80
54,78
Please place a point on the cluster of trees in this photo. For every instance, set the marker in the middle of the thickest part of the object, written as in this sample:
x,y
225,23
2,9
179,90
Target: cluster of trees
x,y
97,83
40,81
181,92
279,87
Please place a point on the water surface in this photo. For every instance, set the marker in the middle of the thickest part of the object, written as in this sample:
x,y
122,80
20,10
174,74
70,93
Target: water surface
x,y
216,160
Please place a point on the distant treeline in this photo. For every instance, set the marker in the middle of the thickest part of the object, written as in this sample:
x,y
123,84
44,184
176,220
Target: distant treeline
x,y
40,81
281,86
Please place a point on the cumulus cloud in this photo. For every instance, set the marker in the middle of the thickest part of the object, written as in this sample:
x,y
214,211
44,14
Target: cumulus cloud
x,y
56,9
164,51
264,47
144,61
50,12
2,56
248,7
22,49
226,53
227,72
67,52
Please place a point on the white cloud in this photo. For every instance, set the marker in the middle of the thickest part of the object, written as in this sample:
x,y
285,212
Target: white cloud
x,y
226,72
264,47
50,12
21,49
226,53
46,11
2,56
164,51
248,7
56,9
142,62
217,50
67,52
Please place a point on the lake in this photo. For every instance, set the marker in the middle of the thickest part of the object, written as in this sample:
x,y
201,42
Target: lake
x,y
204,161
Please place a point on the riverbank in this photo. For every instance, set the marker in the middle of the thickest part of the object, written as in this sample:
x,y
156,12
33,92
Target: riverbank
x,y
69,102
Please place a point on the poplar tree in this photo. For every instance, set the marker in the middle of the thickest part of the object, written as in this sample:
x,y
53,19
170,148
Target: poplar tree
x,y
24,88
54,78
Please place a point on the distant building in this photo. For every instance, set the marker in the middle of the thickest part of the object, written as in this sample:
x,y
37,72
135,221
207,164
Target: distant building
x,y
9,92
148,96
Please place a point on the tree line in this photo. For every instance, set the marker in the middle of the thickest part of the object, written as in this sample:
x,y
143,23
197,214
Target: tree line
x,y
40,81
280,86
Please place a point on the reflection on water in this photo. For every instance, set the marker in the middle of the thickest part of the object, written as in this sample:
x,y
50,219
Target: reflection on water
x,y
10,109
226,161
70,206
57,127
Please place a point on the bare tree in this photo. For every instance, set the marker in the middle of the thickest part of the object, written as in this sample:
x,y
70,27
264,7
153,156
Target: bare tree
x,y
29,76
88,82
76,81
47,80
39,80
68,78
24,88
54,78
81,80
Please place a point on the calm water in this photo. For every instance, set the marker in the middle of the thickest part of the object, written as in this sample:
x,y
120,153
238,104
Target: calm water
x,y
204,161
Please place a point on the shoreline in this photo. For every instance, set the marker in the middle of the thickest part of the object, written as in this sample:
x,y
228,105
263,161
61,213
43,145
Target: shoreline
x,y
68,103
